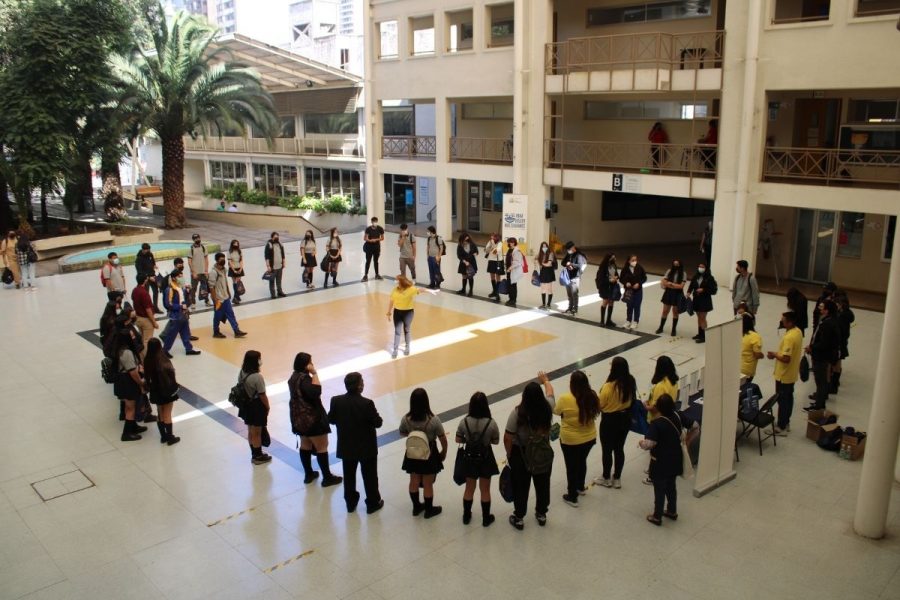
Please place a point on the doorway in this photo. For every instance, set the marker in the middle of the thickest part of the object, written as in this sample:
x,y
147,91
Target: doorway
x,y
399,199
816,122
814,250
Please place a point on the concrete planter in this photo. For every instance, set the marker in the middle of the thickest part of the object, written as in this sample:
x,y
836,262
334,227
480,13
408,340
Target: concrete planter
x,y
249,215
325,221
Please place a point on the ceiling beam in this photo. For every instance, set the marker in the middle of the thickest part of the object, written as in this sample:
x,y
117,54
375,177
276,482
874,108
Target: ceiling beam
x,y
259,61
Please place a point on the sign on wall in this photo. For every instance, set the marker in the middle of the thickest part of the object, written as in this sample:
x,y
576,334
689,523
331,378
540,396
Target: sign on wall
x,y
515,218
630,184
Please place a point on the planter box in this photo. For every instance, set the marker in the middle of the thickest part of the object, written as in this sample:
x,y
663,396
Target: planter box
x,y
325,221
202,207
63,244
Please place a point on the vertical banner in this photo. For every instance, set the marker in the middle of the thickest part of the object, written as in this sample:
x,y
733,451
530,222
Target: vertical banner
x,y
515,219
721,387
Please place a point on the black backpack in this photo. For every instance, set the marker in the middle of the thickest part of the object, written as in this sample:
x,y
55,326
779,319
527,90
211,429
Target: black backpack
x,y
238,396
303,414
475,451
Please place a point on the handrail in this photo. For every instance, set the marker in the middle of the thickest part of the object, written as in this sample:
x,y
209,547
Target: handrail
x,y
827,166
630,50
678,159
409,146
310,146
481,150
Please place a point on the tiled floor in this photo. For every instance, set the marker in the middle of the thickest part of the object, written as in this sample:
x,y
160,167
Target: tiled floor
x,y
197,520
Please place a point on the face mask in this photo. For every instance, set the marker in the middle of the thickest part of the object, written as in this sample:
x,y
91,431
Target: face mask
x,y
275,240
544,248
571,251
196,242
676,266
221,263
633,263
115,261
701,270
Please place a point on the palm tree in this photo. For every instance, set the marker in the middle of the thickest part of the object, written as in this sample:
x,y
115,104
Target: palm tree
x,y
186,87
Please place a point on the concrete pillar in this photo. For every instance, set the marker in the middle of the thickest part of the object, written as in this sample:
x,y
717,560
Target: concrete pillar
x,y
878,465
443,198
374,183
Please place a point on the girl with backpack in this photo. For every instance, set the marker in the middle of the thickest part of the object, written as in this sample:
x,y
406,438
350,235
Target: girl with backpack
x,y
478,431
309,419
422,429
579,409
528,450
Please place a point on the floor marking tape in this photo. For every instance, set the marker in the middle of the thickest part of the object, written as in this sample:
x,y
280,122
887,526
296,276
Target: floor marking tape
x,y
288,561
230,517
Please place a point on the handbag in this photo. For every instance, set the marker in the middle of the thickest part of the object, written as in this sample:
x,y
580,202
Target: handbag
x,y
239,288
503,287
459,466
267,276
326,263
685,305
687,468
505,484
8,277
617,292
638,415
564,278
554,432
470,271
535,279
628,295
804,369
31,254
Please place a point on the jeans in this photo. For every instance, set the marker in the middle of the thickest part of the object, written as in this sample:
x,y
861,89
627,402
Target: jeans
x,y
785,393
28,274
572,293
434,272
275,282
372,253
411,263
575,456
633,308
521,480
823,382
665,495
402,322
227,311
369,467
613,433
178,325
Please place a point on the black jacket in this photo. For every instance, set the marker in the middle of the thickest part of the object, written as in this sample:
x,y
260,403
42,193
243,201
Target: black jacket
x,y
356,419
145,263
269,252
626,277
826,340
462,255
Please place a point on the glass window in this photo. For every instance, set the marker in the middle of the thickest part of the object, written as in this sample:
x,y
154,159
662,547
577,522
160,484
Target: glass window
x,y
889,231
288,128
226,174
313,181
646,11
340,123
487,110
387,32
850,236
499,190
650,109
422,35
501,25
798,11
869,8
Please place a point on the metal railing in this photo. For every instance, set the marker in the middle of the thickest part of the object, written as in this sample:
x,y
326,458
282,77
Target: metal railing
x,y
698,50
409,146
841,166
325,146
481,150
669,159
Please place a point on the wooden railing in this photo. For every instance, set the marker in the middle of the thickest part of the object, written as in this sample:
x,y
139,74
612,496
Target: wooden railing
x,y
824,166
324,146
409,146
677,159
481,150
698,50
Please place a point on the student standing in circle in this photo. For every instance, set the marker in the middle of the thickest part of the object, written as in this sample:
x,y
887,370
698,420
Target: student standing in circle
x,y
334,248
515,269
129,385
493,252
574,262
372,238
401,310
421,421
607,281
478,431
578,409
275,263
467,253
406,242
547,264
702,288
304,386
236,268
435,248
163,388
751,347
633,277
673,290
663,440
665,383
616,396
255,413
308,258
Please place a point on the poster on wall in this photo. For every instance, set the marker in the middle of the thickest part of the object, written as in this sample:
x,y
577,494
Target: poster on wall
x,y
515,218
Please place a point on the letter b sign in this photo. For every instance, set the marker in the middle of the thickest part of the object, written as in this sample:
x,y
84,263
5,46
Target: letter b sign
x,y
617,182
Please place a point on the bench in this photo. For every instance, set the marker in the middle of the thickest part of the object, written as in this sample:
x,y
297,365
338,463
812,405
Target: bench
x,y
145,191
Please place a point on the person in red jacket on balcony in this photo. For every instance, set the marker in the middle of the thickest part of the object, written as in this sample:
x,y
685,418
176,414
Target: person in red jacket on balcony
x,y
710,139
656,137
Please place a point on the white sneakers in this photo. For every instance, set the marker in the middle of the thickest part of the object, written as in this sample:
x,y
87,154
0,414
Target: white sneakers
x,y
631,325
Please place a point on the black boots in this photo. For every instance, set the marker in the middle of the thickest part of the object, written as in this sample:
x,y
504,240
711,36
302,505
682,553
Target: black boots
x,y
165,434
700,337
327,478
306,460
430,509
417,505
486,517
835,382
609,321
662,325
131,432
467,511
494,293
674,326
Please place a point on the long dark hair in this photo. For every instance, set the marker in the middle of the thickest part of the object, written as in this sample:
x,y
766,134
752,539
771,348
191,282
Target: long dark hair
x,y
251,362
478,406
620,376
585,397
542,256
235,245
419,408
108,318
676,274
155,360
665,404
604,264
747,324
533,410
665,368
121,341
796,301
301,361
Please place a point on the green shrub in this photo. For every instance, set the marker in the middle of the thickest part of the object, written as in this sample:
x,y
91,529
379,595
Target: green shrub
x,y
290,203
358,209
258,197
313,203
214,192
337,204
236,193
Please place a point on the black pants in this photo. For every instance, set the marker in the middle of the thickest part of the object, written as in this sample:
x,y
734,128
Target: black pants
x,y
823,382
275,282
369,467
151,279
613,432
373,252
575,456
521,480
195,286
513,291
572,293
665,496
785,393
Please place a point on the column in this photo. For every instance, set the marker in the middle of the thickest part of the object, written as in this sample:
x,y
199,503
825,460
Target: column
x,y
877,477
374,183
444,214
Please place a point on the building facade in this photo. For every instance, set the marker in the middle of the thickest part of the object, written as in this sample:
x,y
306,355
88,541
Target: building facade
x,y
776,117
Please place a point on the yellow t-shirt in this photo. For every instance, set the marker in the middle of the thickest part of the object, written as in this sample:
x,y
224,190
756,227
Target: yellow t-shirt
x,y
572,432
791,345
611,399
751,343
664,386
403,299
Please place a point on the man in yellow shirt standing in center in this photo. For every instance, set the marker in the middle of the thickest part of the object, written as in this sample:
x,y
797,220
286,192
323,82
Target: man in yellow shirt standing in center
x,y
787,370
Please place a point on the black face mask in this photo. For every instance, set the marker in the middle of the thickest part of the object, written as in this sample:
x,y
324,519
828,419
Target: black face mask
x,y
221,263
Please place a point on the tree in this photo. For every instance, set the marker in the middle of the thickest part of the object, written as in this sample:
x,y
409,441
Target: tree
x,y
185,86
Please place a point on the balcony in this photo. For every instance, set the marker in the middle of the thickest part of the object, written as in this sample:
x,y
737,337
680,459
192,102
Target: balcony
x,y
842,167
691,160
636,62
481,150
409,147
330,147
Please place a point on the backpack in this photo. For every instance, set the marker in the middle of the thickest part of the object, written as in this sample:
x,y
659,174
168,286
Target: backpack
x,y
103,279
474,452
238,395
440,242
524,264
417,446
107,371
303,414
163,285
538,454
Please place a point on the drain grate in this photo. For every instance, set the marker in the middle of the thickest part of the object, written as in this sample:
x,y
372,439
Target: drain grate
x,y
62,485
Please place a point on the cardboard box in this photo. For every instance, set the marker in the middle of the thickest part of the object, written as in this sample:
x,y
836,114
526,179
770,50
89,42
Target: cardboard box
x,y
853,446
813,429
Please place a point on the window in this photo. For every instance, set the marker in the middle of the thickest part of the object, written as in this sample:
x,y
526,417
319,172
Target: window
x,y
850,235
340,123
501,25
460,31
487,110
871,8
643,12
652,110
333,182
422,29
286,129
398,121
801,11
620,206
890,228
874,111
276,180
388,34
226,174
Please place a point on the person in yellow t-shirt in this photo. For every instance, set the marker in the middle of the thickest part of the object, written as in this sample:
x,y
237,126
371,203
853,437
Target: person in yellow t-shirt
x,y
787,370
579,410
751,348
400,308
616,396
665,381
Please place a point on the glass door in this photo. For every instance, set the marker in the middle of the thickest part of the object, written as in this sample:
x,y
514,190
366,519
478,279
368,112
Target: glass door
x,y
473,206
814,245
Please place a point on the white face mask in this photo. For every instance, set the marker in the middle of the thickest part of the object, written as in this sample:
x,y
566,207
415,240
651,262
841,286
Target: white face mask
x,y
633,263
544,248
701,270
115,261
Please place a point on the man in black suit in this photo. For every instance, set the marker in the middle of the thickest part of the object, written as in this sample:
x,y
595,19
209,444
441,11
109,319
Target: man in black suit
x,y
357,419
825,349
